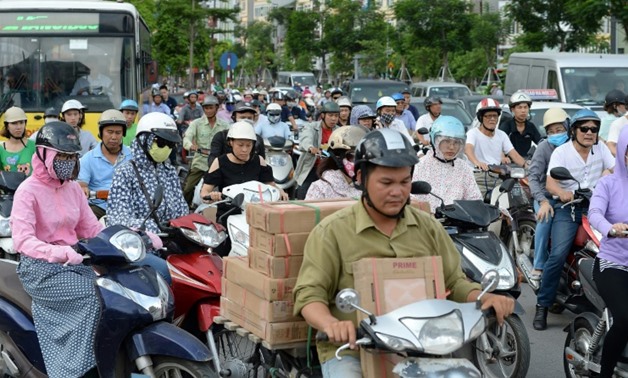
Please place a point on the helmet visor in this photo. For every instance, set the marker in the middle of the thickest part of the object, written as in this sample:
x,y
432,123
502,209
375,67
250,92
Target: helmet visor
x,y
169,135
448,148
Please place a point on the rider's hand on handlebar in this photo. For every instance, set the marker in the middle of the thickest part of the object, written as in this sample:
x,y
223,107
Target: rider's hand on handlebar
x,y
314,151
341,332
546,212
505,160
620,229
72,258
215,196
482,166
565,196
503,305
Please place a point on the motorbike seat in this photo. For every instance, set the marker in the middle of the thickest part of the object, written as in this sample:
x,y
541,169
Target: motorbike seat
x,y
12,288
585,267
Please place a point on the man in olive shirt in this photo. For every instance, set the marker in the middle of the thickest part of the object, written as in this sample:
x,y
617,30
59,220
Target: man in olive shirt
x,y
380,225
198,138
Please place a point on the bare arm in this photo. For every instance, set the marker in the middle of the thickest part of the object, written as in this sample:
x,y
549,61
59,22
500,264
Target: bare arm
x,y
554,188
516,158
317,315
207,189
468,150
613,147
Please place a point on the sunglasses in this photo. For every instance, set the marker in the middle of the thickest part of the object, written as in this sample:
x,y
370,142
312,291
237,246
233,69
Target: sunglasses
x,y
586,129
161,143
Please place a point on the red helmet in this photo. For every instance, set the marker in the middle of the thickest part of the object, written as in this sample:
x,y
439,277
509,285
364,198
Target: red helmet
x,y
487,105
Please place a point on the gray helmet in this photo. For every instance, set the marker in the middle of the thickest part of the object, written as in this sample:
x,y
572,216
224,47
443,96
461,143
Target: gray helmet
x,y
210,100
330,107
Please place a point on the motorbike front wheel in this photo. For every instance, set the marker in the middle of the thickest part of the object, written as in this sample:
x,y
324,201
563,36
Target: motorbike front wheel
x,y
503,352
165,367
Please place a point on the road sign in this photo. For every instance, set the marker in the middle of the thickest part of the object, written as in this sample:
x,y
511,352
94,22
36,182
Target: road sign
x,y
228,60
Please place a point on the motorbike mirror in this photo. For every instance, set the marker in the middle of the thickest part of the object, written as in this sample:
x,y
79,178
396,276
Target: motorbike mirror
x,y
347,300
421,187
238,200
561,174
490,280
423,131
507,185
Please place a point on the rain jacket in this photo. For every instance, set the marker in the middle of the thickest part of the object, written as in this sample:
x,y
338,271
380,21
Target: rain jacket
x,y
48,215
602,215
127,204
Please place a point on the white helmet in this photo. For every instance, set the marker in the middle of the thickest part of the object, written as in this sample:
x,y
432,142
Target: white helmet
x,y
241,130
518,98
14,114
273,106
71,105
344,101
385,101
159,124
273,112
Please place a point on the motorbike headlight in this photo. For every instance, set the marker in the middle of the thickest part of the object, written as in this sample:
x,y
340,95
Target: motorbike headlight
x,y
156,306
478,328
266,195
5,227
517,173
278,160
505,267
238,236
130,243
205,234
396,343
441,335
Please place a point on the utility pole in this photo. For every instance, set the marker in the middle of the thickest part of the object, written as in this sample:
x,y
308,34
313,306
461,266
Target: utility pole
x,y
191,73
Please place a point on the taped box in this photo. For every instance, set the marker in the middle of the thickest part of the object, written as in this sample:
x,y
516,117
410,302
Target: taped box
x,y
384,285
289,217
236,269
275,311
278,244
274,333
274,266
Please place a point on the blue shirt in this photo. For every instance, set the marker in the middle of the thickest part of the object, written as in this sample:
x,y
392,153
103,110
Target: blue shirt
x,y
152,107
408,120
97,171
266,130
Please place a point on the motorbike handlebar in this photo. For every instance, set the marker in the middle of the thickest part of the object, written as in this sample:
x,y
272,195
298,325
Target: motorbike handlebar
x,y
322,336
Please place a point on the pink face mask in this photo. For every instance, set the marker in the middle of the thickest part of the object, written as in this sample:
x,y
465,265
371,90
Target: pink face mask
x,y
349,167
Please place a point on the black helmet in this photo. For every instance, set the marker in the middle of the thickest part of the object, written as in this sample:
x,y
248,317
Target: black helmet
x,y
59,136
279,96
615,97
385,147
330,107
431,100
242,107
336,91
51,112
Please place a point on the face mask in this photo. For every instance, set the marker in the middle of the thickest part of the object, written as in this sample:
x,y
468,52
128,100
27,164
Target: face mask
x,y
349,167
274,118
159,154
63,168
387,118
557,139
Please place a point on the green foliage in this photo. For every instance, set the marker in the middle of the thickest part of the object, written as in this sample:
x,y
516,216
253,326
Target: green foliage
x,y
258,51
301,44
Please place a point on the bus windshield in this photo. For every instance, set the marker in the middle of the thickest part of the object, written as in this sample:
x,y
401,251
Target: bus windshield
x,y
589,85
40,71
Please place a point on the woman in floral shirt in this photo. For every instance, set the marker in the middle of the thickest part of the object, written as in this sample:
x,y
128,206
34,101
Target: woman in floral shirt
x,y
336,172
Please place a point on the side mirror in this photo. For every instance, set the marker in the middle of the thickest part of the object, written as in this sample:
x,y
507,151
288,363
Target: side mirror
x,y
421,187
507,185
238,200
423,131
347,300
561,174
490,281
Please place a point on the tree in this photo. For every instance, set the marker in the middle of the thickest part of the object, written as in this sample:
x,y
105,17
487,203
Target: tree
x,y
258,46
301,43
443,25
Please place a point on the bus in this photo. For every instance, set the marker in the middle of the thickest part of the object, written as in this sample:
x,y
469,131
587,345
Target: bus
x,y
97,52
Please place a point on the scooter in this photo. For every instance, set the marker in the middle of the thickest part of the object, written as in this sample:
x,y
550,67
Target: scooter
x,y
585,334
415,332
278,151
9,181
501,351
133,333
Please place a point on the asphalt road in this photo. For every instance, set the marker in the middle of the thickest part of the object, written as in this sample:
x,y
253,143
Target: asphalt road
x,y
546,346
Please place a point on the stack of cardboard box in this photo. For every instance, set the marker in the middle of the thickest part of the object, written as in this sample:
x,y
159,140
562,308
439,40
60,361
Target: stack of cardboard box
x,y
257,290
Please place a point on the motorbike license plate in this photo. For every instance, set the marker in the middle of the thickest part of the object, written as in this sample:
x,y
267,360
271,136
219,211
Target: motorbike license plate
x,y
439,367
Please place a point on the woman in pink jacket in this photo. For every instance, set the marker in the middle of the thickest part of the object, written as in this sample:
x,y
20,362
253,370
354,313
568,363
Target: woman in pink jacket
x,y
50,214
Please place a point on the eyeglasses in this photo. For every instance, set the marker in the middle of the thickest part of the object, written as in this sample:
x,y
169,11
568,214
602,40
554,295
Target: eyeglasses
x,y
491,116
586,129
161,143
335,98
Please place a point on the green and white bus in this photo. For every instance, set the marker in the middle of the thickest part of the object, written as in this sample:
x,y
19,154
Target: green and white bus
x,y
97,52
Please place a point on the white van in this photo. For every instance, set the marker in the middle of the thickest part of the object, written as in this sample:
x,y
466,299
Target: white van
x,y
582,79
290,78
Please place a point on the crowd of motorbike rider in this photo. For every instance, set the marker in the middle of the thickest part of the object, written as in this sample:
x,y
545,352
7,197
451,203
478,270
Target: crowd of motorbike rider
x,y
134,157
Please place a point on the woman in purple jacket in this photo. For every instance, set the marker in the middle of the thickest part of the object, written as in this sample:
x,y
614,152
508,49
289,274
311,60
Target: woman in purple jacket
x,y
610,271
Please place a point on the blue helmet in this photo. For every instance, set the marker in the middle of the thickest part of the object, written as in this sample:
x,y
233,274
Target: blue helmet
x,y
129,105
398,97
449,127
585,115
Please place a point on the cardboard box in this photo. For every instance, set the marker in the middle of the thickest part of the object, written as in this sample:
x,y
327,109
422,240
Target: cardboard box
x,y
236,269
273,266
273,333
276,311
278,244
289,217
385,284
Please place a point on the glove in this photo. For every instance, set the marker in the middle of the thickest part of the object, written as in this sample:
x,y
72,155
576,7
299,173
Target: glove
x,y
71,257
155,240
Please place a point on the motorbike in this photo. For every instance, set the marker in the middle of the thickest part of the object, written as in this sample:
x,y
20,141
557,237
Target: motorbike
x,y
278,150
585,245
9,181
415,332
133,333
585,334
500,351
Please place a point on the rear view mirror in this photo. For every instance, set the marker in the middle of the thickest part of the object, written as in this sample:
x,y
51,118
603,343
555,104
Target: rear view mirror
x,y
561,174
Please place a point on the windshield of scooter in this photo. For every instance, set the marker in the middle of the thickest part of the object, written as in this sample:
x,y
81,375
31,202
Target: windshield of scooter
x,y
474,212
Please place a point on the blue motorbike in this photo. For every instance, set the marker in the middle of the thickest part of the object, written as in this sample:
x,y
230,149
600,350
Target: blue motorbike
x,y
134,333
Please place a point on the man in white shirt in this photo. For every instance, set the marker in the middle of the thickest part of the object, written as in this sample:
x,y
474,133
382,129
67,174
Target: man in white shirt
x,y
487,145
614,131
433,105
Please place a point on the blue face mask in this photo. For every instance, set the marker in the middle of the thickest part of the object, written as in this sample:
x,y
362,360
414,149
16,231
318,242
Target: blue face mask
x,y
557,139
